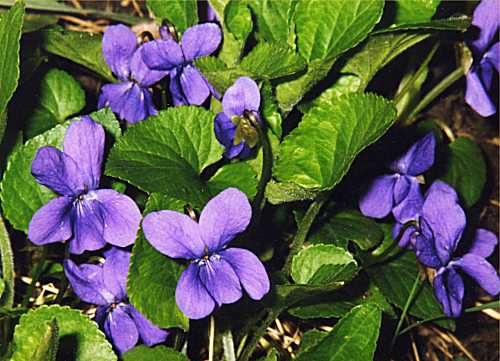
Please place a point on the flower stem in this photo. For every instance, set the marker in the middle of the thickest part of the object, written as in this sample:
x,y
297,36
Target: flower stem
x,y
211,336
35,275
7,259
267,165
409,300
434,93
304,227
257,334
228,346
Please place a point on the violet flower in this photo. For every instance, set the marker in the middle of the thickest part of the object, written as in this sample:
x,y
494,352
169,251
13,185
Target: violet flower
x,y
440,227
215,274
84,215
130,99
105,286
187,84
483,74
234,126
399,192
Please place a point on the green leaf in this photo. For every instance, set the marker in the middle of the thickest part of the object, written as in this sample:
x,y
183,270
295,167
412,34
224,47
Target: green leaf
x,y
395,279
180,13
79,338
326,29
415,11
310,339
217,73
354,337
19,187
453,23
277,193
274,20
158,353
318,153
238,19
240,175
167,152
348,225
270,111
465,170
80,47
11,24
321,264
49,343
60,96
7,262
152,276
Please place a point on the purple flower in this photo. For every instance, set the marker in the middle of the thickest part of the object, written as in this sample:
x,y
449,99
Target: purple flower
x,y
400,192
86,216
483,74
440,227
105,285
216,274
234,127
187,85
130,99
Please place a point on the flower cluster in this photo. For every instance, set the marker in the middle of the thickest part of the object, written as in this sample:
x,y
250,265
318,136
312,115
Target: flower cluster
x,y
432,225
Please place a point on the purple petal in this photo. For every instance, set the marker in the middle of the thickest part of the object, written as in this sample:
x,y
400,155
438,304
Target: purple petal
x,y
84,143
476,95
51,223
224,132
57,171
425,247
162,54
220,280
194,86
224,216
445,218
449,290
191,295
250,271
410,206
418,159
482,272
200,40
486,18
173,234
121,217
88,225
242,95
176,89
150,333
141,73
131,102
118,45
87,283
484,243
408,238
377,202
493,56
121,329
115,271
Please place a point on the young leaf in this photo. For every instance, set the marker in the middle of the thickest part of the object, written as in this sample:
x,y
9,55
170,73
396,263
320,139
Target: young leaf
x,y
270,111
180,13
414,11
167,153
158,353
465,170
322,264
318,153
354,337
18,186
152,276
395,279
79,338
80,47
60,96
11,24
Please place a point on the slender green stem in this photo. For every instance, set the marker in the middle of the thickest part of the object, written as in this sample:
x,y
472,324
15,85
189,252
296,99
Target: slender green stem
x,y
241,345
35,275
409,300
211,337
259,332
265,176
228,346
304,227
60,8
494,304
7,259
434,93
